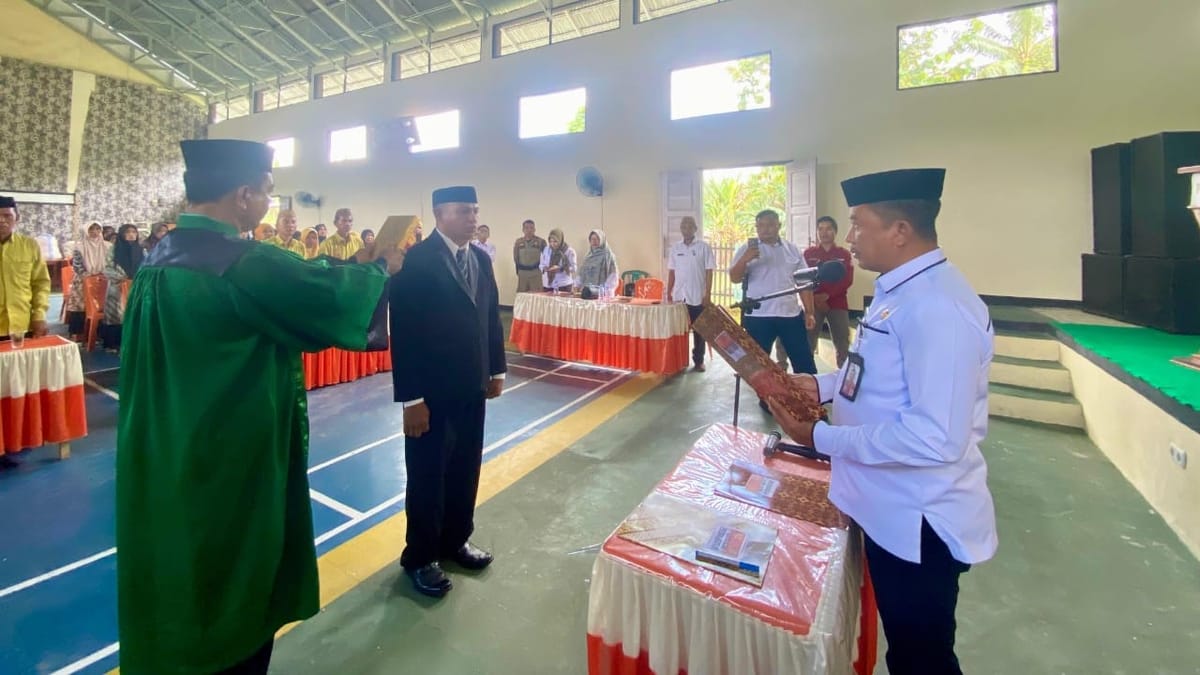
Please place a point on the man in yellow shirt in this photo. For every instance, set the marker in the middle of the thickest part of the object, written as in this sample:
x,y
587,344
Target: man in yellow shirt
x,y
343,244
285,229
24,279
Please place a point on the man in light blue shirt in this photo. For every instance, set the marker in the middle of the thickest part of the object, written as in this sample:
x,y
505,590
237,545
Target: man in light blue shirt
x,y
909,411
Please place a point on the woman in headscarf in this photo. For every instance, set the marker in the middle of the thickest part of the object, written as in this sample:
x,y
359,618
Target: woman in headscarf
x,y
264,231
157,232
126,259
88,259
558,263
599,266
311,241
368,237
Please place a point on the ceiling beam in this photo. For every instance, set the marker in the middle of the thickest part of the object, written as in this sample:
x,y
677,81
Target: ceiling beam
x,y
208,12
408,29
341,24
216,51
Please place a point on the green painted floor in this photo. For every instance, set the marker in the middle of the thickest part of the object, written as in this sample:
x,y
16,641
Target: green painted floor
x,y
1088,578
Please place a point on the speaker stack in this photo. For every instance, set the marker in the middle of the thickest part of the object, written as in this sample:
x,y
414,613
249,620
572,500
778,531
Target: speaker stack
x,y
1146,264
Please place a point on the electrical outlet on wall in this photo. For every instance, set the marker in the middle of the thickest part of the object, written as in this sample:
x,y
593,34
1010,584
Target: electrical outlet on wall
x,y
1179,456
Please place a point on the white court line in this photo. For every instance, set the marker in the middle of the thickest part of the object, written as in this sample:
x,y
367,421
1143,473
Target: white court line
x,y
103,390
322,498
93,658
102,370
359,450
581,364
56,572
544,373
547,372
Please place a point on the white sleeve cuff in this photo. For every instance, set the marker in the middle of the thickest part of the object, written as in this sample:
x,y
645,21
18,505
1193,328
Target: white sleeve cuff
x,y
498,376
409,404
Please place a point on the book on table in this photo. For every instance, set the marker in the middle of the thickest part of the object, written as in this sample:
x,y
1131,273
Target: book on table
x,y
794,496
724,543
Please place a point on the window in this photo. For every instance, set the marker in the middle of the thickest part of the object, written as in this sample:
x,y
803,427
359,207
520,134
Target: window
x,y
567,22
437,132
229,109
348,144
448,53
331,84
656,9
563,112
294,92
266,99
285,152
1016,41
729,86
366,75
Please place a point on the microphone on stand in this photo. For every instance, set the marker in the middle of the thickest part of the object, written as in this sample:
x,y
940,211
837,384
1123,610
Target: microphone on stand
x,y
829,271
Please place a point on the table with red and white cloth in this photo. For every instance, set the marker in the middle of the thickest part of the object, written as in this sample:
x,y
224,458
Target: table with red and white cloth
x,y
335,366
652,613
41,395
634,335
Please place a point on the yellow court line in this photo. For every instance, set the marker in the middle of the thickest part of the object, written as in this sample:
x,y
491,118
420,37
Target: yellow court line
x,y
368,553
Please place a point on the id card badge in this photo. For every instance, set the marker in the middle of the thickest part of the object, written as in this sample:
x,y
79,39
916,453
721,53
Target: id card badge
x,y
854,376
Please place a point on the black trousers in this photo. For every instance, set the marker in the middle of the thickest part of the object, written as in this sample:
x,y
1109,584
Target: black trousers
x,y
255,665
697,341
443,481
791,331
916,604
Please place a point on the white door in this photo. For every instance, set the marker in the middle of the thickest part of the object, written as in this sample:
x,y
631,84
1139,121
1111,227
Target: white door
x,y
682,195
802,203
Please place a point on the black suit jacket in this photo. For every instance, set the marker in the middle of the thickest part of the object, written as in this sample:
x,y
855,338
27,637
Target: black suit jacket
x,y
446,345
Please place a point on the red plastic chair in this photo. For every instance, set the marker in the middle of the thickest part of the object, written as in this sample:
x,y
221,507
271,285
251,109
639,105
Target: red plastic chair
x,y
95,288
67,276
649,288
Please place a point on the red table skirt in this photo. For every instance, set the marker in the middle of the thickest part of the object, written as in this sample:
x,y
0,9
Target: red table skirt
x,y
335,366
42,417
664,356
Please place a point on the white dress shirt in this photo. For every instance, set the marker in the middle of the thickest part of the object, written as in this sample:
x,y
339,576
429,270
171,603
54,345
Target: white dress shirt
x,y
907,446
454,249
562,279
771,272
487,247
691,263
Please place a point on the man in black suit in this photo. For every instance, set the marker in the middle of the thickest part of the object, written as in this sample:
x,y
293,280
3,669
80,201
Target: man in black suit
x,y
447,358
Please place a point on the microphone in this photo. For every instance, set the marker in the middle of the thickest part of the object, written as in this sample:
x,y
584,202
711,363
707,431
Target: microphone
x,y
829,271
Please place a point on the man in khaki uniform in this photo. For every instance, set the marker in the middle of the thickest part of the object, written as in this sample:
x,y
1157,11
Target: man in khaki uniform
x,y
527,253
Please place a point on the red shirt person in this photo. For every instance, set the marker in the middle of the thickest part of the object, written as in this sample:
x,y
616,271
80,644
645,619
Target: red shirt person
x,y
831,303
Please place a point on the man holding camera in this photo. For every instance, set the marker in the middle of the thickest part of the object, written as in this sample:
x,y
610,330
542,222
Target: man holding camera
x,y
764,265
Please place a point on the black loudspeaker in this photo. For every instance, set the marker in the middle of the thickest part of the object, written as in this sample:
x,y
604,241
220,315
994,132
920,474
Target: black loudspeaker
x,y
1163,227
1104,285
1163,293
1111,206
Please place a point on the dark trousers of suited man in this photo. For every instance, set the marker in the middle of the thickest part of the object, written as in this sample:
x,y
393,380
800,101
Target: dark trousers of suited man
x,y
448,358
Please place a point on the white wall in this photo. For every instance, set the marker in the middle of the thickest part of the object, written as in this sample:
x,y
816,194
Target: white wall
x,y
1017,210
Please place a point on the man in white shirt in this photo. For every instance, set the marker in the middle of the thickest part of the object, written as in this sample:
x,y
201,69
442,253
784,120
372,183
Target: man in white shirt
x,y
909,411
690,265
765,266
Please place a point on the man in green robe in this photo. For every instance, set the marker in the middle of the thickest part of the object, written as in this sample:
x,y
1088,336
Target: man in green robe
x,y
214,527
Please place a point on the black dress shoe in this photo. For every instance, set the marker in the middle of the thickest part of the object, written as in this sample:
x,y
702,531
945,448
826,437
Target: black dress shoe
x,y
472,558
430,580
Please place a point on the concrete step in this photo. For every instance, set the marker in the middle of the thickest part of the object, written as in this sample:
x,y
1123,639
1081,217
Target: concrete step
x,y
1031,374
1035,405
1026,346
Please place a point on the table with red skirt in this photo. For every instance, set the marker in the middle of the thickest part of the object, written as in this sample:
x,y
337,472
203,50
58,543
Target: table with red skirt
x,y
41,395
335,366
626,333
651,613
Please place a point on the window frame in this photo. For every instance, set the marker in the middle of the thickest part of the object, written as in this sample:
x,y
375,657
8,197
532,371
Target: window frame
x,y
366,145
293,148
548,15
770,86
637,11
522,98
412,149
975,15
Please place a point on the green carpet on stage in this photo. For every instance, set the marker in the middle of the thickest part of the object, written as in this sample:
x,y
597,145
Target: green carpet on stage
x,y
1146,354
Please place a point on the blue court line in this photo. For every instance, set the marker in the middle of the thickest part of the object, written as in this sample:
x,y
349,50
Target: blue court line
x,y
60,621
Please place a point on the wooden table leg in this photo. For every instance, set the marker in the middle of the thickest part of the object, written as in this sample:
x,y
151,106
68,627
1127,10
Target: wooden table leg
x,y
64,450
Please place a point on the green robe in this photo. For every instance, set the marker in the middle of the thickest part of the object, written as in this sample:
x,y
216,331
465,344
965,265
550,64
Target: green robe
x,y
214,526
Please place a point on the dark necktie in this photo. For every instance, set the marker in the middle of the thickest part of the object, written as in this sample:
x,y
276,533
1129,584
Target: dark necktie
x,y
461,257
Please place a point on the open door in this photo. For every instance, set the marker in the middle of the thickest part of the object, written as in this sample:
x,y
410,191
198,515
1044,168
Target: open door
x,y
682,195
802,203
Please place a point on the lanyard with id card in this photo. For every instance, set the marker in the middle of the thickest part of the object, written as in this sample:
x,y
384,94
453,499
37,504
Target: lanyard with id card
x,y
855,370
